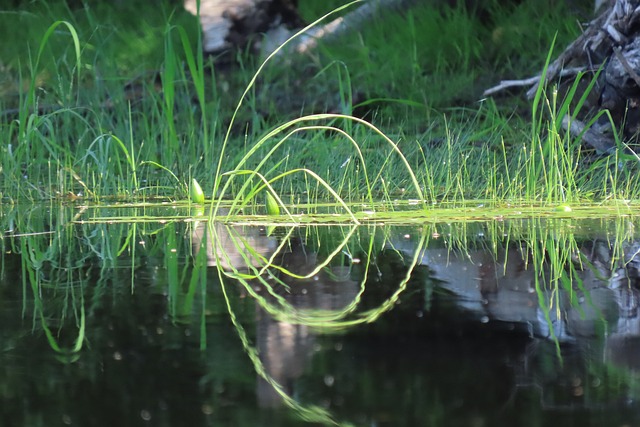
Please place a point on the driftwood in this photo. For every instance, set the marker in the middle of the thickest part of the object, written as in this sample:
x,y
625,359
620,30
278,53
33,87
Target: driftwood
x,y
262,25
354,20
236,23
611,42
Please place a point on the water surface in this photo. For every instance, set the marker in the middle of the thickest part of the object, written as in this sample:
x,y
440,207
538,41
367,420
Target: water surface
x,y
522,322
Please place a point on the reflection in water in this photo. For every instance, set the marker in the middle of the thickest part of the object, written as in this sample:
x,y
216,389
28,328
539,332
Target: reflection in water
x,y
498,323
623,344
506,287
576,295
284,350
284,347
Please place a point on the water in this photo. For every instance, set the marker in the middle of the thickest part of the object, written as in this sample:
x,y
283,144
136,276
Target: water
x,y
530,322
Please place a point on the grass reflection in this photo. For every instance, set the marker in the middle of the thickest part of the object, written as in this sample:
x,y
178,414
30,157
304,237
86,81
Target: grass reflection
x,y
566,280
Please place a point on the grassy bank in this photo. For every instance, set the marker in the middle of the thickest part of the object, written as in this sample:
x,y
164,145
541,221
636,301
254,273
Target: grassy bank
x,y
105,105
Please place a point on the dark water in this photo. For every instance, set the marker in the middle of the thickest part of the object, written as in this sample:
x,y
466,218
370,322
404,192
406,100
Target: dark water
x,y
516,323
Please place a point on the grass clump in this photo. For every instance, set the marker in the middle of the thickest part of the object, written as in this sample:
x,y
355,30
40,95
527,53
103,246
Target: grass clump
x,y
89,117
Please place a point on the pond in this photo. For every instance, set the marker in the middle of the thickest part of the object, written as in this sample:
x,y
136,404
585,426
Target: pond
x,y
172,319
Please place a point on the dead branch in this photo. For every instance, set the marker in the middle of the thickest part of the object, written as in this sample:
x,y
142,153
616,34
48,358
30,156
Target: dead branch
x,y
506,84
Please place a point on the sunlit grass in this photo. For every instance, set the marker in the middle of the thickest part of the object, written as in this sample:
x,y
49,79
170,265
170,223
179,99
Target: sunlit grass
x,y
68,143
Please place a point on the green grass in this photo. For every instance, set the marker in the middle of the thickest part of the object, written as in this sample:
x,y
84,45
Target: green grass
x,y
100,105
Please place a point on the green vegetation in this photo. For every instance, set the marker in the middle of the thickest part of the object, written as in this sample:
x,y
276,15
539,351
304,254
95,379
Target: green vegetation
x,y
102,106
382,138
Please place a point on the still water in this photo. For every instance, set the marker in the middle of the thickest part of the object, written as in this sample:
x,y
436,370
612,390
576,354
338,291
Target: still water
x,y
172,321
